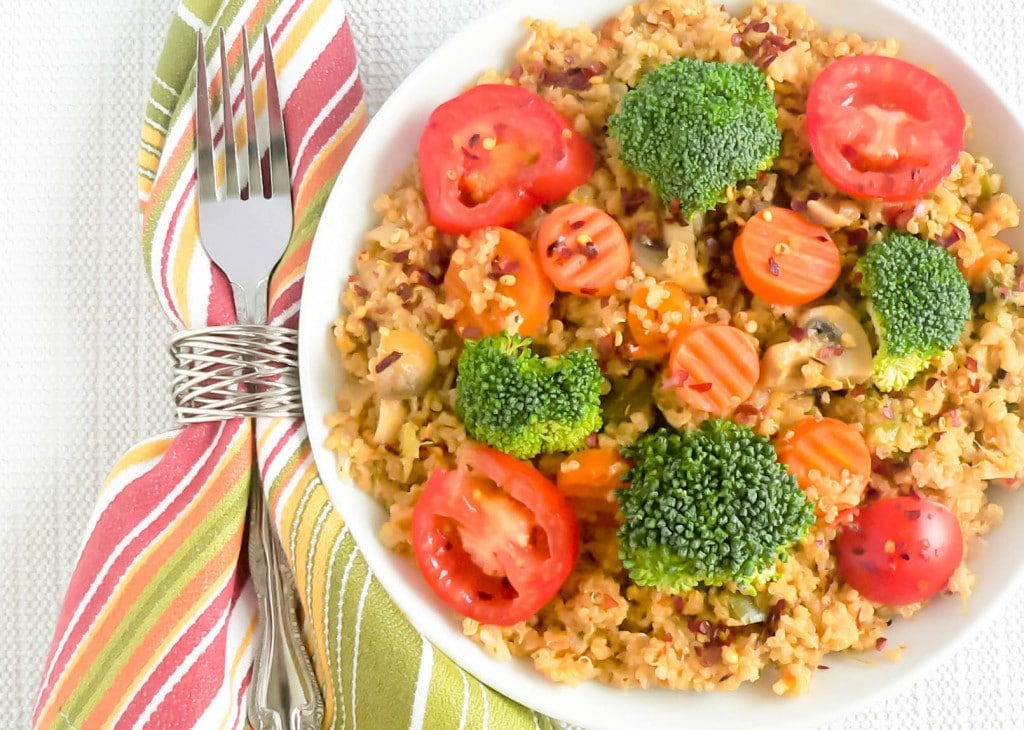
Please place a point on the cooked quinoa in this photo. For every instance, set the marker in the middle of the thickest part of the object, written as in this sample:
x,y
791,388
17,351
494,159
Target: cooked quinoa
x,y
951,435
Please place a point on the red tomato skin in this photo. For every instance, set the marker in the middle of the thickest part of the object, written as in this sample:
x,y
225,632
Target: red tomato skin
x,y
926,547
893,84
564,160
448,568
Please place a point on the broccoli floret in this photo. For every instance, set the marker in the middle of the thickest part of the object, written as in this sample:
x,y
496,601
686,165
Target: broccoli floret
x,y
523,404
697,127
919,304
707,506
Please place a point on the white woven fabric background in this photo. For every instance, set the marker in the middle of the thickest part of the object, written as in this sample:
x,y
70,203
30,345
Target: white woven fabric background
x,y
82,346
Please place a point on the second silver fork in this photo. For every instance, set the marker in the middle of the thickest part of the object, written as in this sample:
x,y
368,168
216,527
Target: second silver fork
x,y
245,233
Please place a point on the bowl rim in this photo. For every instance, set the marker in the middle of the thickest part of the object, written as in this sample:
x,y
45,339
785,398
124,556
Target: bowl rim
x,y
311,336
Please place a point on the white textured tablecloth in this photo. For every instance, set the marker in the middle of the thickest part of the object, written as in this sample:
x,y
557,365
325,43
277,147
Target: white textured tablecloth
x,y
82,345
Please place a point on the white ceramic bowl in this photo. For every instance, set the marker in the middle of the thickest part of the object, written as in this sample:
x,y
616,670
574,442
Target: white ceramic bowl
x,y
388,146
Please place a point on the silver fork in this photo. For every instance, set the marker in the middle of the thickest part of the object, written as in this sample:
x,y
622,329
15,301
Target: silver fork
x,y
245,233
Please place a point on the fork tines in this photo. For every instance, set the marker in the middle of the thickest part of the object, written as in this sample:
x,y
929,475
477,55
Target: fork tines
x,y
254,183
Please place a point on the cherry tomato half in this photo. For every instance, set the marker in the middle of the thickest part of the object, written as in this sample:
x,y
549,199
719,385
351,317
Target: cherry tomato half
x,y
494,538
493,154
900,550
884,128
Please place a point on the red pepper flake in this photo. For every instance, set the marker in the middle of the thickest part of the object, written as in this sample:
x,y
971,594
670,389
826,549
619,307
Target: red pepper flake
x,y
953,236
760,27
954,418
606,345
912,514
370,325
633,200
677,603
472,333
857,237
773,266
594,68
858,390
710,655
676,379
976,386
576,225
401,257
517,72
857,278
404,291
588,291
360,290
797,333
797,205
930,383
700,387
592,441
387,361
572,78
701,626
737,39
747,411
775,615
880,644
971,364
590,250
887,411
428,279
830,351
352,278
609,602
822,666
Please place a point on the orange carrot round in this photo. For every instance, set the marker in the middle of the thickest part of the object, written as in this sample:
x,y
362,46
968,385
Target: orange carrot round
x,y
582,250
827,446
513,256
784,258
591,473
714,367
655,326
992,249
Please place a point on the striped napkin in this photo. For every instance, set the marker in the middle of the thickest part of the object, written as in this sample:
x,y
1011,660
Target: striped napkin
x,y
157,625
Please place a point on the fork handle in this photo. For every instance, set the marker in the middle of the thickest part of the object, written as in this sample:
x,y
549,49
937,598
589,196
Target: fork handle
x,y
283,695
250,302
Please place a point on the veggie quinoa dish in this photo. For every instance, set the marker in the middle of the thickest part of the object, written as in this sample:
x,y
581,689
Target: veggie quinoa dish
x,y
687,351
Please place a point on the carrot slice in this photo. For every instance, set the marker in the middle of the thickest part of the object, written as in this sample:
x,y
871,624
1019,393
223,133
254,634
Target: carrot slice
x,y
591,474
655,320
992,250
827,446
582,250
494,254
714,367
785,259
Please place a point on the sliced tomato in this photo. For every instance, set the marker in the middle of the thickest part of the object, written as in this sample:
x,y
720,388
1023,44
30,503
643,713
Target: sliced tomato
x,y
494,538
900,550
882,127
493,154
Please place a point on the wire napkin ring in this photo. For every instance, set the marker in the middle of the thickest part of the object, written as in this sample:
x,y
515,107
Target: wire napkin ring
x,y
235,371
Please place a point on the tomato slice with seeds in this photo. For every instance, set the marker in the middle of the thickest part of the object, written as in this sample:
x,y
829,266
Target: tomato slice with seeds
x,y
900,550
882,127
494,538
493,154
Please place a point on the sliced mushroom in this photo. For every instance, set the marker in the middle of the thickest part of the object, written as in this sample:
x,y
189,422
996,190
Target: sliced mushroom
x,y
683,265
781,364
849,350
675,256
404,366
650,254
832,212
390,418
